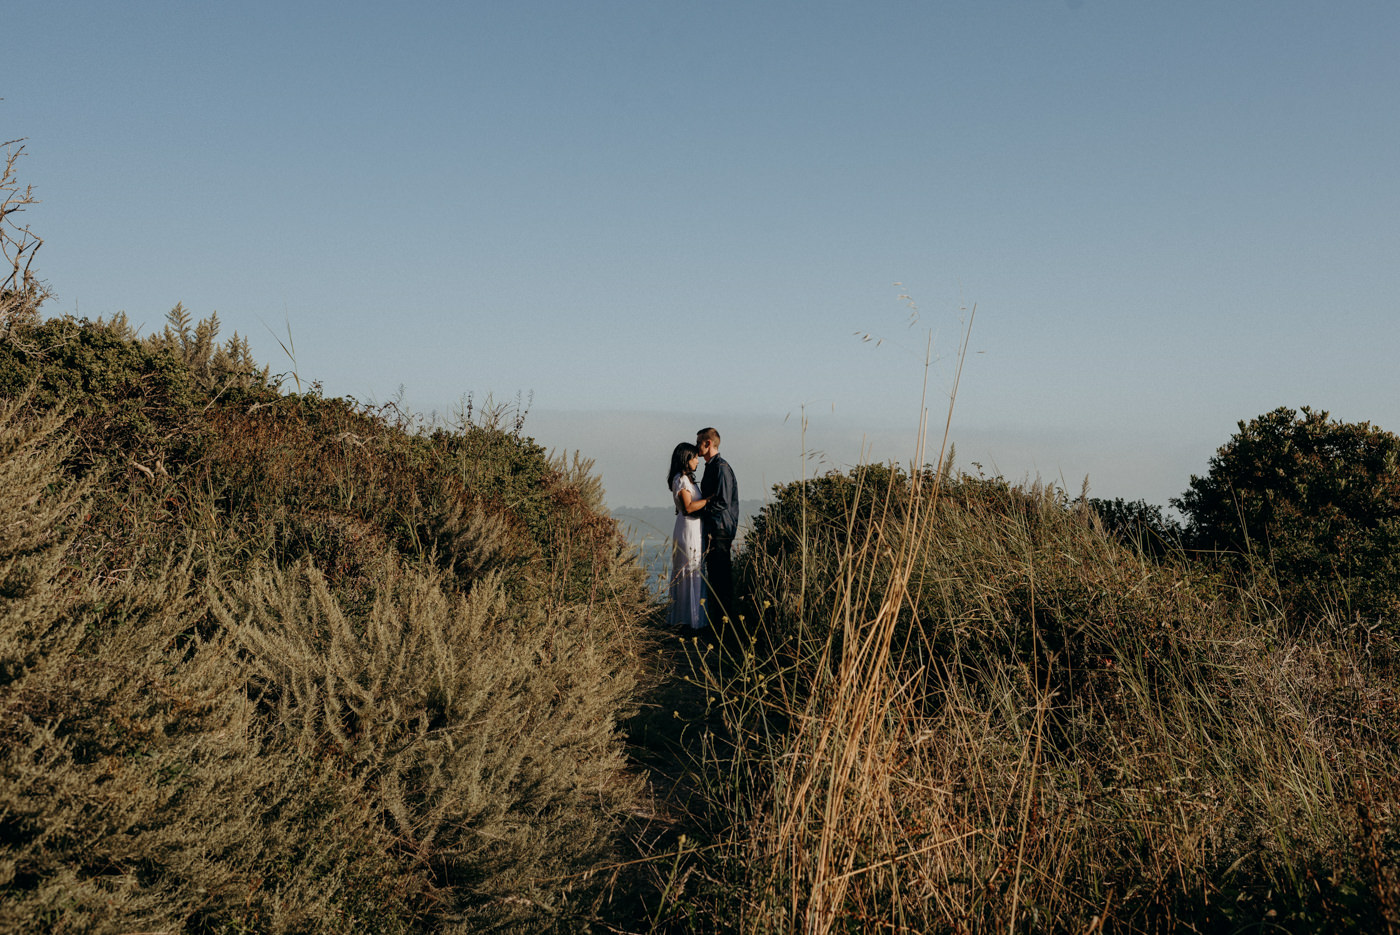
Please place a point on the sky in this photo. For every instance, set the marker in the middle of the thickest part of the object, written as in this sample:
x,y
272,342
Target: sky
x,y
1132,224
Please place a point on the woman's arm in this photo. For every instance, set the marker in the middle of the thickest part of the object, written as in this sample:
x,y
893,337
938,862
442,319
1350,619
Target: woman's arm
x,y
689,502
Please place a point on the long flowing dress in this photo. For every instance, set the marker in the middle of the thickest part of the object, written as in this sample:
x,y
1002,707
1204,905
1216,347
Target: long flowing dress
x,y
687,585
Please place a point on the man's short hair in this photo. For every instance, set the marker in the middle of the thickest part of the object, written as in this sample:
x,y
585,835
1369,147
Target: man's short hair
x,y
707,434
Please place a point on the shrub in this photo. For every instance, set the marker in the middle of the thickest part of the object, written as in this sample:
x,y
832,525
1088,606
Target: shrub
x,y
1139,524
135,787
120,398
482,735
989,715
282,663
1317,500
192,434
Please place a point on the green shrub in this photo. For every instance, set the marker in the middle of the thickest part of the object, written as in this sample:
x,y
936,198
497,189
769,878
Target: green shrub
x,y
121,398
135,786
282,663
482,734
1139,524
191,433
1317,500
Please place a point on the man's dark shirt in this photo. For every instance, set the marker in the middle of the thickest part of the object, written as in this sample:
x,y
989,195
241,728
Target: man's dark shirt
x,y
720,516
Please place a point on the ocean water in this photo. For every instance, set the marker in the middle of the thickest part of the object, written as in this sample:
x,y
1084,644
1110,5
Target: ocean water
x,y
649,530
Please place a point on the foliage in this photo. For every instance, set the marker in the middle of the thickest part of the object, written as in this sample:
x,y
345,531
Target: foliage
x,y
214,367
982,712
1316,499
480,734
978,520
134,786
282,663
1139,524
199,436
119,396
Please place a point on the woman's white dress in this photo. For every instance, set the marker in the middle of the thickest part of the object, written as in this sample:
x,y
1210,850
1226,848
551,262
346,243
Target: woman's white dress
x,y
687,586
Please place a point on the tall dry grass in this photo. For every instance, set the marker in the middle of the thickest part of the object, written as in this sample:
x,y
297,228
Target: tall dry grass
x,y
966,708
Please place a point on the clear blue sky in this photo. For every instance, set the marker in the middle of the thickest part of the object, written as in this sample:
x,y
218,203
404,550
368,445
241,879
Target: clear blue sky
x,y
652,216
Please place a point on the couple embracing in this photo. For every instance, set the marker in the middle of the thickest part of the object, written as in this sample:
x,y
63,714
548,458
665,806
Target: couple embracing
x,y
707,517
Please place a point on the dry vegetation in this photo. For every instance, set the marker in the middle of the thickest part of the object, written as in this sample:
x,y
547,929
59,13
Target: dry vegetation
x,y
272,662
966,709
277,663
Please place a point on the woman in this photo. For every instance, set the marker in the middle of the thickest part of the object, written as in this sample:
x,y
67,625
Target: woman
x,y
686,584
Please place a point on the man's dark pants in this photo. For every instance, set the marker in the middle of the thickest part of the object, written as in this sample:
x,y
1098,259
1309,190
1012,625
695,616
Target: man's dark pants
x,y
719,578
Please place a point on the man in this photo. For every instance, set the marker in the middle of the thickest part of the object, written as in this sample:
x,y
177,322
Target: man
x,y
719,521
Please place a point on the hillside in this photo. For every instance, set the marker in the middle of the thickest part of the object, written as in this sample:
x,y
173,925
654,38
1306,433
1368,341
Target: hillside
x,y
965,705
273,661
277,662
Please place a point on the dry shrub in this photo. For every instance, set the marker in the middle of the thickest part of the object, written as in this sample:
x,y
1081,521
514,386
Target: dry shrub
x,y
437,760
482,733
280,664
991,716
21,290
36,518
136,787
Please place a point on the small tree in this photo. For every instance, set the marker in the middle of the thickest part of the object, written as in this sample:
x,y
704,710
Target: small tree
x,y
1316,498
21,291
1137,523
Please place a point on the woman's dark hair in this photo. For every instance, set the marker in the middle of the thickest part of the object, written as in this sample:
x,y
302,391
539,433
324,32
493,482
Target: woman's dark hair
x,y
680,462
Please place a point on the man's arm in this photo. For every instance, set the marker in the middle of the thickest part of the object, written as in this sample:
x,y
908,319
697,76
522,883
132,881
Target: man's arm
x,y
714,499
715,487
727,498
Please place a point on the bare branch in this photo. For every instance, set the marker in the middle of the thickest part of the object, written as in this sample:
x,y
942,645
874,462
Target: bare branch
x,y
21,291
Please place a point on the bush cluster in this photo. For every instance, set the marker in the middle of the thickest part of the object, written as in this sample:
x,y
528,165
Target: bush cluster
x,y
1316,502
982,710
275,662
